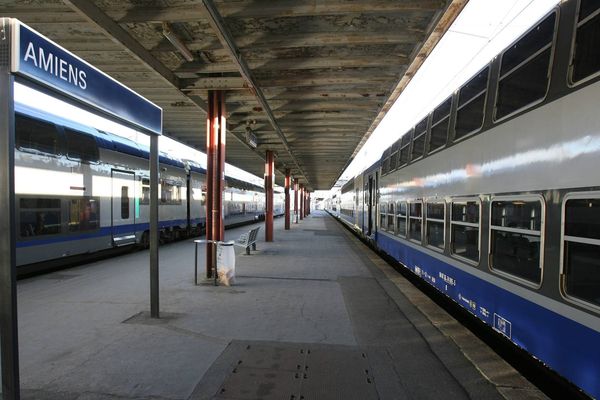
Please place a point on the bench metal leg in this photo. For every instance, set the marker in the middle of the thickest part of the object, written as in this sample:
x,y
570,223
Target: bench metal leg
x,y
248,250
254,246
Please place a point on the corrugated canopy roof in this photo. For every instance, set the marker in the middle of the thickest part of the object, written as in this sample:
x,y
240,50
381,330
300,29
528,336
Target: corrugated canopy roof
x,y
310,78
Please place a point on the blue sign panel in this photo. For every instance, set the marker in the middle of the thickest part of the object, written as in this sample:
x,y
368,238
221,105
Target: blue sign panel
x,y
42,60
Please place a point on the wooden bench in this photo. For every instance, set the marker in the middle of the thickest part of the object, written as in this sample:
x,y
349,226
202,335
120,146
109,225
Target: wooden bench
x,y
248,239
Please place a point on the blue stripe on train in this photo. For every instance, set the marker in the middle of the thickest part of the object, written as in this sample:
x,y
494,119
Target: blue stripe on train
x,y
105,231
571,349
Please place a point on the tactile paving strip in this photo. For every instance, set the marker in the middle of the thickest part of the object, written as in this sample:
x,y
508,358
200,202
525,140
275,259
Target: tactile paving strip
x,y
299,373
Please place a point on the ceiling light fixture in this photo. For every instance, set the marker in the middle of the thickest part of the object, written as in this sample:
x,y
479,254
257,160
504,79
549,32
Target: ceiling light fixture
x,y
175,41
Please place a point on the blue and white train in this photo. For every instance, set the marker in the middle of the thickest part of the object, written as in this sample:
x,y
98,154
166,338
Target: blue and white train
x,y
494,197
80,190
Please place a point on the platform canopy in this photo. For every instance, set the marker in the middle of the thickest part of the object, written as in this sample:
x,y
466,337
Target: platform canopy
x,y
308,79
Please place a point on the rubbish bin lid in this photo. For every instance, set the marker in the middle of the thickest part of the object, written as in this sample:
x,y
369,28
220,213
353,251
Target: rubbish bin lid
x,y
230,243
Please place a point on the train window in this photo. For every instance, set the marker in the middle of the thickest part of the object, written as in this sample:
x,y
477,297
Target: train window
x,y
390,217
401,214
145,199
581,251
83,214
418,147
524,70
395,155
35,135
39,216
439,125
415,219
516,238
81,146
435,222
471,105
385,168
124,202
404,148
385,165
170,192
382,216
464,229
587,8
586,53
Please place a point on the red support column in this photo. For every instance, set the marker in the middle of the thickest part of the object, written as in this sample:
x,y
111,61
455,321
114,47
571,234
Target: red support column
x,y
269,177
287,199
308,205
215,166
301,202
296,188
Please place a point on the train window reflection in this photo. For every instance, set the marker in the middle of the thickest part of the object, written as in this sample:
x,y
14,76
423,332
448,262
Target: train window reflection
x,y
390,217
435,224
382,216
586,54
515,238
464,229
471,104
39,216
170,192
582,249
34,135
145,199
81,146
517,254
124,202
524,70
415,221
517,214
401,214
83,214
439,125
418,146
404,148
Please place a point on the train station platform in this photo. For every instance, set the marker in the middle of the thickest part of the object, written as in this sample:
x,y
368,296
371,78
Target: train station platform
x,y
313,315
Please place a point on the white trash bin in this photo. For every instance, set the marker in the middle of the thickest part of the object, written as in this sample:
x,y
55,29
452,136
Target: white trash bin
x,y
226,263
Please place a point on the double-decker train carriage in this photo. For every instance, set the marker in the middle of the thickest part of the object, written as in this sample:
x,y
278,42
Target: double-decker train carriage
x,y
80,190
494,197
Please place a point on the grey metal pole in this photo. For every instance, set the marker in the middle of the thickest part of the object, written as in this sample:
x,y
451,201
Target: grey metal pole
x,y
154,300
9,345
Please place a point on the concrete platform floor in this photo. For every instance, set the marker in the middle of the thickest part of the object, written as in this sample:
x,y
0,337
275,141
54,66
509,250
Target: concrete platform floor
x,y
314,315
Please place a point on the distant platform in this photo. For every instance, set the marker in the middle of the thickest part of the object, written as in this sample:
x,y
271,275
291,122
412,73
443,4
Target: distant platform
x,y
313,315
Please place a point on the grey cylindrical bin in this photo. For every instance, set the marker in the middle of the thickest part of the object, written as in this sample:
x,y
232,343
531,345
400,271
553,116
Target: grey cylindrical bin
x,y
226,262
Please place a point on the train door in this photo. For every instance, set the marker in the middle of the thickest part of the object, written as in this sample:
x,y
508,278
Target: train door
x,y
123,207
370,203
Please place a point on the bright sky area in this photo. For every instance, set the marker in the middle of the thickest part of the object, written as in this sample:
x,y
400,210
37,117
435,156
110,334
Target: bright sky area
x,y
481,31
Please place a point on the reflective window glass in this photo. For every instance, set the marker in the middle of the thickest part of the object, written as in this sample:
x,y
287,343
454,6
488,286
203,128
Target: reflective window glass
x,y
39,216
582,218
81,146
124,202
586,54
83,214
517,254
517,214
436,210
414,227
467,211
582,271
35,135
465,241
